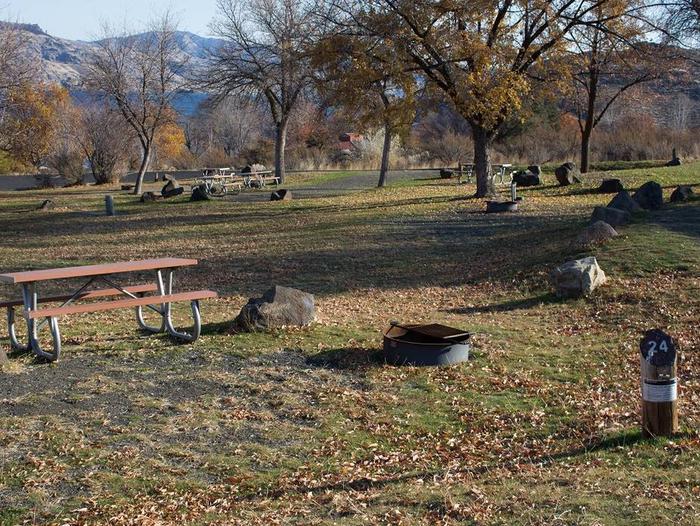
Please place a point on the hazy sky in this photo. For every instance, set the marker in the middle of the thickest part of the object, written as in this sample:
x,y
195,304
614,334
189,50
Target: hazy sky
x,y
80,19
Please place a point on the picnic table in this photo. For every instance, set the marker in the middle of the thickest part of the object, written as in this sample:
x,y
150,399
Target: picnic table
x,y
134,297
219,183
498,172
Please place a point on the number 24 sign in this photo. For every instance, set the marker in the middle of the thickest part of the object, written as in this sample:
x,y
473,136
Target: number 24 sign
x,y
658,348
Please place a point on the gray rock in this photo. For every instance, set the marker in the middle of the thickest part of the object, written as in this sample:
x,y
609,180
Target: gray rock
x,y
676,161
199,193
612,216
446,173
171,188
253,169
535,169
281,195
577,278
594,234
683,193
523,179
149,197
650,196
47,204
611,186
623,201
278,307
567,174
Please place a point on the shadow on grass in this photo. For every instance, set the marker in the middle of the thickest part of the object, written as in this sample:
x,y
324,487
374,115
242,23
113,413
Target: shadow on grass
x,y
507,306
349,359
622,440
683,218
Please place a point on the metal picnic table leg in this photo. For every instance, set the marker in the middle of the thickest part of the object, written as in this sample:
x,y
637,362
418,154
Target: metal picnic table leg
x,y
165,287
14,342
30,298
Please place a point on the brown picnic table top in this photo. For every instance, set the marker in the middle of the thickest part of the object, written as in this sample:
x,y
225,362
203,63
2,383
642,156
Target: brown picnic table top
x,y
32,276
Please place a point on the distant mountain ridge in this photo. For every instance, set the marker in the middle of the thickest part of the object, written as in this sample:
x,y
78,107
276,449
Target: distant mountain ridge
x,y
63,61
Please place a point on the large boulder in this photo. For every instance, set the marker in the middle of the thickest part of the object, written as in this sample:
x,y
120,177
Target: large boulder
x,y
594,234
676,161
446,173
523,179
567,174
534,169
610,186
683,193
281,195
278,307
200,193
623,201
171,188
650,196
253,169
577,278
612,216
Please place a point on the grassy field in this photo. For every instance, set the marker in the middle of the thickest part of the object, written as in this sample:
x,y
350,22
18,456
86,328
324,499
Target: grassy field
x,y
309,426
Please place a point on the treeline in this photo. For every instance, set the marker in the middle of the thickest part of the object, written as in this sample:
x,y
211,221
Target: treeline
x,y
327,83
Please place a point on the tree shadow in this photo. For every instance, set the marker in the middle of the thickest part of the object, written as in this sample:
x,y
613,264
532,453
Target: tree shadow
x,y
682,218
508,306
348,359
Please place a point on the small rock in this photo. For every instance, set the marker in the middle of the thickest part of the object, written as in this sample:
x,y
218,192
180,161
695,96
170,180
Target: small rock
x,y
567,174
200,193
524,179
278,307
47,204
676,161
594,234
683,193
149,197
281,195
623,201
535,169
612,216
610,186
650,196
127,187
577,278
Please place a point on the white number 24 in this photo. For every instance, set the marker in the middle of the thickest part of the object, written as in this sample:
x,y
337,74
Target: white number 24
x,y
663,347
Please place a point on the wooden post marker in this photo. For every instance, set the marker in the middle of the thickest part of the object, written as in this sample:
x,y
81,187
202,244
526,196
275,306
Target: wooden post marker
x,y
659,384
109,205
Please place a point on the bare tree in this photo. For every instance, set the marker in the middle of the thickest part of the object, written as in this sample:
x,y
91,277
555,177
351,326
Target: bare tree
x,y
610,56
15,66
140,75
265,54
104,138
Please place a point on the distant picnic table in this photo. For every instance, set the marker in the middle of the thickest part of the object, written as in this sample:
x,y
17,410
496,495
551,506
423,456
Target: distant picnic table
x,y
466,170
221,181
134,297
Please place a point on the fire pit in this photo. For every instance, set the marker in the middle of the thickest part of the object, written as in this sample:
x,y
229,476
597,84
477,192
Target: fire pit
x,y
497,207
432,344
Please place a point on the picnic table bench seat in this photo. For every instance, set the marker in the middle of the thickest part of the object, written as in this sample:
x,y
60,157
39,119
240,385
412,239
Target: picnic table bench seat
x,y
135,296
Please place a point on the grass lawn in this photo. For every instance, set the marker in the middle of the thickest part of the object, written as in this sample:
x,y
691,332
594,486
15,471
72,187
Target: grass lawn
x,y
309,426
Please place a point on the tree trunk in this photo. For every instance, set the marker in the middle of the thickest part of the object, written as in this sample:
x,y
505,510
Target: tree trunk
x,y
280,146
483,139
384,168
585,147
138,189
